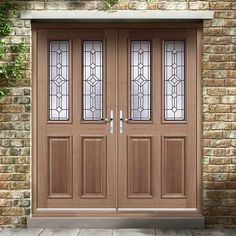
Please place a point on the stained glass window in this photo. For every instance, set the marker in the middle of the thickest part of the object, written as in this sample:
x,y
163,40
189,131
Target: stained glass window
x,y
92,80
58,80
140,80
174,80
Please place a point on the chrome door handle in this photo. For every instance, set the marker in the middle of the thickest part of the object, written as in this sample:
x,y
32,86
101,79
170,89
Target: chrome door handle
x,y
111,120
127,119
106,119
121,122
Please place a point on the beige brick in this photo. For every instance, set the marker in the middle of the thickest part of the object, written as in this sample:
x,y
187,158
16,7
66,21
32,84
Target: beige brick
x,y
215,74
198,5
176,6
152,6
231,82
228,202
214,40
34,5
220,160
229,31
229,14
219,49
214,82
6,203
208,117
220,5
231,152
212,31
210,203
220,108
220,22
229,134
216,91
225,117
123,6
231,91
222,143
221,125
13,211
161,5
212,134
211,99
214,185
216,194
228,99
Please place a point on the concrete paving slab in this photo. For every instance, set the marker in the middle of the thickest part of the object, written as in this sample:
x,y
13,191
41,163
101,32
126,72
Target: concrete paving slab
x,y
60,232
20,232
95,232
212,232
134,232
169,232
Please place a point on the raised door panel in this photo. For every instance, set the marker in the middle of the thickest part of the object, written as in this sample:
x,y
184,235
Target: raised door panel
x,y
139,167
94,172
173,167
60,167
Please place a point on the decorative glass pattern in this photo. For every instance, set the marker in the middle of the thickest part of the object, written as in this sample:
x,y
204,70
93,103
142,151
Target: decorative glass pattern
x,y
174,80
92,80
140,80
58,80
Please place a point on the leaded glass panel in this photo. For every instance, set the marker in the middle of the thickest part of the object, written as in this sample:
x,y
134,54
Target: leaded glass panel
x,y
140,80
58,80
92,80
174,80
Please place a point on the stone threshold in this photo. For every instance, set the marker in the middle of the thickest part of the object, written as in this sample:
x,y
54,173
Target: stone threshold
x,y
196,222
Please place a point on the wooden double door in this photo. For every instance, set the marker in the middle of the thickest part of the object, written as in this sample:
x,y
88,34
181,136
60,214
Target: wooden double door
x,y
116,121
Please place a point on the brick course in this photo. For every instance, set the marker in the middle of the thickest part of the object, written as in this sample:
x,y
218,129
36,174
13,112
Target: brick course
x,y
219,112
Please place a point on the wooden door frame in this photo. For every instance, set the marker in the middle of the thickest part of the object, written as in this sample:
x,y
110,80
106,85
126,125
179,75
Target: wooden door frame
x,y
189,25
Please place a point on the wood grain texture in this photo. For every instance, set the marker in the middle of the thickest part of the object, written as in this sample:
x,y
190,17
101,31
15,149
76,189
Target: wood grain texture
x,y
94,167
105,173
173,167
74,128
60,167
139,167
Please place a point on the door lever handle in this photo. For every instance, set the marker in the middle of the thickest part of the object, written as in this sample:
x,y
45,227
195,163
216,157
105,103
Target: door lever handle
x,y
111,120
127,119
107,119
121,122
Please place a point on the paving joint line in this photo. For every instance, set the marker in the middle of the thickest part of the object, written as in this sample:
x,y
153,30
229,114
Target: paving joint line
x,y
41,231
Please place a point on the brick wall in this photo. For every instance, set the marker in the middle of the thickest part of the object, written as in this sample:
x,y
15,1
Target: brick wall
x,y
219,112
